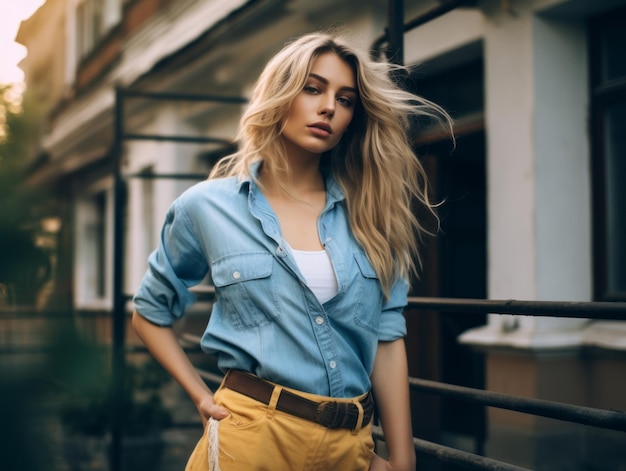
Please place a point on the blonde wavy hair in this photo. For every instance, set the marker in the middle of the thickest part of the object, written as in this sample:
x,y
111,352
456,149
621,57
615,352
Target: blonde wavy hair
x,y
374,162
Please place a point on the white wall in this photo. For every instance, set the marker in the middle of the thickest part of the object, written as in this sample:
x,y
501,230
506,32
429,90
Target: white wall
x,y
165,158
443,35
562,156
539,233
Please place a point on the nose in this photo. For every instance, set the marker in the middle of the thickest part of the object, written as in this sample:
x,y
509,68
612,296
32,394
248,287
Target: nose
x,y
327,105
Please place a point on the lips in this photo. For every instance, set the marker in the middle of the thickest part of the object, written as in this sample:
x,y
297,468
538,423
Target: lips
x,y
322,126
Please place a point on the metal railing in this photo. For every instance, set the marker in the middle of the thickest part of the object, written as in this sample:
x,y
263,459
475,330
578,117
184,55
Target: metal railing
x,y
600,418
605,419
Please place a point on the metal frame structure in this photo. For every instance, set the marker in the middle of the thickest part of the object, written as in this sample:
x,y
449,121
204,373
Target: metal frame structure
x,y
119,297
391,42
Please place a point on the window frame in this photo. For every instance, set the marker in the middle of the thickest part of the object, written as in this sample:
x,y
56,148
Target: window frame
x,y
92,22
93,249
603,95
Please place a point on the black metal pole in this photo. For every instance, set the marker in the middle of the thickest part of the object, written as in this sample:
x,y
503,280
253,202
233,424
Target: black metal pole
x,y
119,311
577,309
395,31
440,9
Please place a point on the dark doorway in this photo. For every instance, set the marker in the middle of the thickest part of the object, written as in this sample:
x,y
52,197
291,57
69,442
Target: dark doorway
x,y
454,264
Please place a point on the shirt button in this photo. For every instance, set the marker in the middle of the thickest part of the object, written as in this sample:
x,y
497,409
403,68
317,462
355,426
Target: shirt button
x,y
333,364
236,275
319,320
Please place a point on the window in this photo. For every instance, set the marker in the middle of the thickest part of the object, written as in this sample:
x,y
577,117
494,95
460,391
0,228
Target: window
x,y
94,19
92,250
455,262
608,102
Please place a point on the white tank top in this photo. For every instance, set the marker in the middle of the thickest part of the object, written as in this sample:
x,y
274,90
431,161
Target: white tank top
x,y
318,272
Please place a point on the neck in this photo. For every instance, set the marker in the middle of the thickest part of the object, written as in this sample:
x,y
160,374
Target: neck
x,y
301,180
304,176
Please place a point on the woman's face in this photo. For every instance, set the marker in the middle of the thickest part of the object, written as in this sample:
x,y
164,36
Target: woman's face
x,y
321,112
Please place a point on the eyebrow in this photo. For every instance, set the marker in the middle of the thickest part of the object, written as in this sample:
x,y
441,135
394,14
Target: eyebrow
x,y
325,81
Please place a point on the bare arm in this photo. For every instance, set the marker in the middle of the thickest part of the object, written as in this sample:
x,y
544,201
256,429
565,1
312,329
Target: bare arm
x,y
163,344
391,389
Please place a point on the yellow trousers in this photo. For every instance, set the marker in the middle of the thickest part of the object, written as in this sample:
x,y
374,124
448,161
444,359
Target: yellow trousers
x,y
257,437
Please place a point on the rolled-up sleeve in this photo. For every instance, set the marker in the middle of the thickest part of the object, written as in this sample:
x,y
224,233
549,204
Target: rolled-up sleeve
x,y
392,322
176,265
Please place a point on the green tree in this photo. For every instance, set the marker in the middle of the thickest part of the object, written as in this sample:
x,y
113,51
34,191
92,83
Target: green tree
x,y
24,266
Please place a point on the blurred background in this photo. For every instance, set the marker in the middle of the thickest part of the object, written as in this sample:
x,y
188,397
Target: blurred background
x,y
109,109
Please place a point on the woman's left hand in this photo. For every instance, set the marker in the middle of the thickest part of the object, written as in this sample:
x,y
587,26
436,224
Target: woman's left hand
x,y
379,464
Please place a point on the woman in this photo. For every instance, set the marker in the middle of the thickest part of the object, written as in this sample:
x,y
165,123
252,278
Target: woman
x,y
308,235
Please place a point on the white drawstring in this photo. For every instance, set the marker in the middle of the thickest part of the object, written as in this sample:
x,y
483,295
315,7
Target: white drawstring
x,y
214,444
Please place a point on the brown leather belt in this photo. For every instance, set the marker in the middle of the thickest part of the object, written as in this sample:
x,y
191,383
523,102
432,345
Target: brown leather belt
x,y
330,414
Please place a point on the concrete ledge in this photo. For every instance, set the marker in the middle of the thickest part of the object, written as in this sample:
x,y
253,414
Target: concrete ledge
x,y
601,334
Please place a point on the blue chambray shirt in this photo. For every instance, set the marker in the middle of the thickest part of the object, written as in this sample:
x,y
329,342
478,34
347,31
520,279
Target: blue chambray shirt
x,y
265,319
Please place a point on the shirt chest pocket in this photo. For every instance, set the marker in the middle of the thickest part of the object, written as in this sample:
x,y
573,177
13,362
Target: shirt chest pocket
x,y
245,288
368,305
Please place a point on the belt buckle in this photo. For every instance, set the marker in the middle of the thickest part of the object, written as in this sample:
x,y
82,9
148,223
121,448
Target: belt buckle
x,y
333,414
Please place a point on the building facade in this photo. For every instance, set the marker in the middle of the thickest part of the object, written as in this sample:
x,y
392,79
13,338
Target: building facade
x,y
534,207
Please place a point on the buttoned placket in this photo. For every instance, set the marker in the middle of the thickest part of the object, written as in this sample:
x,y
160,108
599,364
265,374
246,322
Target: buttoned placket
x,y
333,369
259,207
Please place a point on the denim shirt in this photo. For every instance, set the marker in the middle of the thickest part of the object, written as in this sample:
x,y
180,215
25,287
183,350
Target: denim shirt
x,y
265,319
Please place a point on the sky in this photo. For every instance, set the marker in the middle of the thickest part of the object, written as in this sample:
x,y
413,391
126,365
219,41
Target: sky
x,y
12,12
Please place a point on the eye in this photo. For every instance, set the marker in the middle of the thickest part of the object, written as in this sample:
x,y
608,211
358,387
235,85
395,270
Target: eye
x,y
311,89
344,101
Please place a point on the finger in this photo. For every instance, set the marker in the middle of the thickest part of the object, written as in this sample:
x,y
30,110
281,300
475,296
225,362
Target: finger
x,y
377,463
218,412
